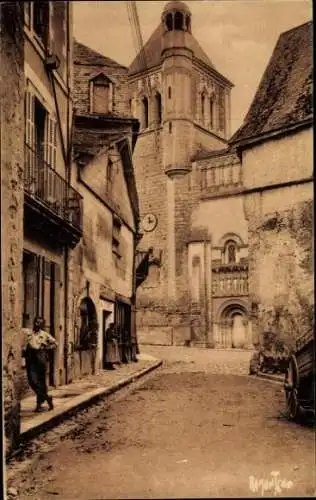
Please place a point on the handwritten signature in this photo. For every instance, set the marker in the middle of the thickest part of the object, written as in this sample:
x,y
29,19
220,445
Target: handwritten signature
x,y
274,484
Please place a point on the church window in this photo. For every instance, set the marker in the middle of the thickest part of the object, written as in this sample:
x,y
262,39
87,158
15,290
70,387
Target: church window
x,y
221,111
170,127
169,22
169,92
158,109
188,23
179,21
230,252
203,107
212,112
144,114
109,174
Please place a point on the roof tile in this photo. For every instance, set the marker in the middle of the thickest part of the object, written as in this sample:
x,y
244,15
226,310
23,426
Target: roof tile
x,y
284,95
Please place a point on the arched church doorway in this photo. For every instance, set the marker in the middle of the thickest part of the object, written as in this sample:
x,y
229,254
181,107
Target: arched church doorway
x,y
234,326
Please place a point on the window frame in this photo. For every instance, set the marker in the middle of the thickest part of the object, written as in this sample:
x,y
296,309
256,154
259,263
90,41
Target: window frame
x,y
101,80
29,20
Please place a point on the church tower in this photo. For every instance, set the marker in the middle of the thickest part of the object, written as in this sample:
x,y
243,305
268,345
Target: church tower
x,y
183,104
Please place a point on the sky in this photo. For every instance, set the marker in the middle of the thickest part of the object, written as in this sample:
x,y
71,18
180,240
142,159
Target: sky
x,y
238,35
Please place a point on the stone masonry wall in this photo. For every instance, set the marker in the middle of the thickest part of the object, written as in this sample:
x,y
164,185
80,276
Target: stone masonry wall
x,y
280,234
12,157
281,264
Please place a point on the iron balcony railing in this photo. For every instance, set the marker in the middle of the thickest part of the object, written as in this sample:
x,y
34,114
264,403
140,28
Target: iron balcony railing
x,y
45,185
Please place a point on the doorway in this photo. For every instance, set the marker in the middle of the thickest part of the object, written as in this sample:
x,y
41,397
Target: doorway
x,y
106,320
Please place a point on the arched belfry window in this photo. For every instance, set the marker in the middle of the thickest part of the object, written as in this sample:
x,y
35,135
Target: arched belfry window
x,y
203,107
169,22
179,21
144,112
158,108
188,23
212,112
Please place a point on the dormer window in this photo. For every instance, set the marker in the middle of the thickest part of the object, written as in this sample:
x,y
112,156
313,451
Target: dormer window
x,y
101,95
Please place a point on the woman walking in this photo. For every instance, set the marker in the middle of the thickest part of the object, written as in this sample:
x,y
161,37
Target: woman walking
x,y
37,344
111,348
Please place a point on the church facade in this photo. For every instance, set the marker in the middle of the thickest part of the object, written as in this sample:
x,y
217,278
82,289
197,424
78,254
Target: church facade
x,y
189,184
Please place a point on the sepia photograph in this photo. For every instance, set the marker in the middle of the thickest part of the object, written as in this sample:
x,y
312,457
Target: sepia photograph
x,y
157,249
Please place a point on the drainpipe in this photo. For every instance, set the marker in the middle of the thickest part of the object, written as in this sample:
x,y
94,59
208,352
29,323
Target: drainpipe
x,y
68,175
133,298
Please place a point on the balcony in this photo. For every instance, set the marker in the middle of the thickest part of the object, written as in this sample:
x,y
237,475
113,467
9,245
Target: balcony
x,y
221,177
52,206
230,281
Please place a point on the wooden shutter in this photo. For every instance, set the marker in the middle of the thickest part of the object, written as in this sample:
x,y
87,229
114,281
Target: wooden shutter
x,y
29,137
51,142
47,291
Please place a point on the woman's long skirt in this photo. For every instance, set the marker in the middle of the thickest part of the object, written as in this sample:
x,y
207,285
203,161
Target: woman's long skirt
x,y
112,352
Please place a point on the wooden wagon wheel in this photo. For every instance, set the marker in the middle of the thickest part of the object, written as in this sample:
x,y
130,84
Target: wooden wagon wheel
x,y
291,386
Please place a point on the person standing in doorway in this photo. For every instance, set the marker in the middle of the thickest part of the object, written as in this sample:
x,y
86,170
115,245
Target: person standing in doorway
x,y
111,348
38,342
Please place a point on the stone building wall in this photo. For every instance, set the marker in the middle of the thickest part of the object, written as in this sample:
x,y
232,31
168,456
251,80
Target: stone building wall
x,y
280,235
12,159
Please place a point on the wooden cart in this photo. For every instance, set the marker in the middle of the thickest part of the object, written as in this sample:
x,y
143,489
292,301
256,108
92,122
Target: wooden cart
x,y
299,383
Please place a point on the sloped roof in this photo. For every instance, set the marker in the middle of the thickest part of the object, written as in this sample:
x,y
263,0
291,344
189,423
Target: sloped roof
x,y
284,95
153,47
93,132
85,55
205,154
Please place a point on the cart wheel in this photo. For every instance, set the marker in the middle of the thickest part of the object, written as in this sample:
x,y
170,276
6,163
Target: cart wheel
x,y
291,388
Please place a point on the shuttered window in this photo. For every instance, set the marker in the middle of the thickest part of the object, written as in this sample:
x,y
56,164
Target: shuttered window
x,y
29,137
40,136
51,142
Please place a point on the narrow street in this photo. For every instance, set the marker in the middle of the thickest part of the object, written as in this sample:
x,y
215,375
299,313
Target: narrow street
x,y
196,427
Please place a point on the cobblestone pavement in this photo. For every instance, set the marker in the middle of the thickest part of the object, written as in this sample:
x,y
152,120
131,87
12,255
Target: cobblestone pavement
x,y
182,432
225,361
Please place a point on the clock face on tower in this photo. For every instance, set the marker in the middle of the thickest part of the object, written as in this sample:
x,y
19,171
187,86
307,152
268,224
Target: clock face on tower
x,y
149,222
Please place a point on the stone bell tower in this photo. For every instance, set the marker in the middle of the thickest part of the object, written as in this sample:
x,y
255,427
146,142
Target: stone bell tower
x,y
167,81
